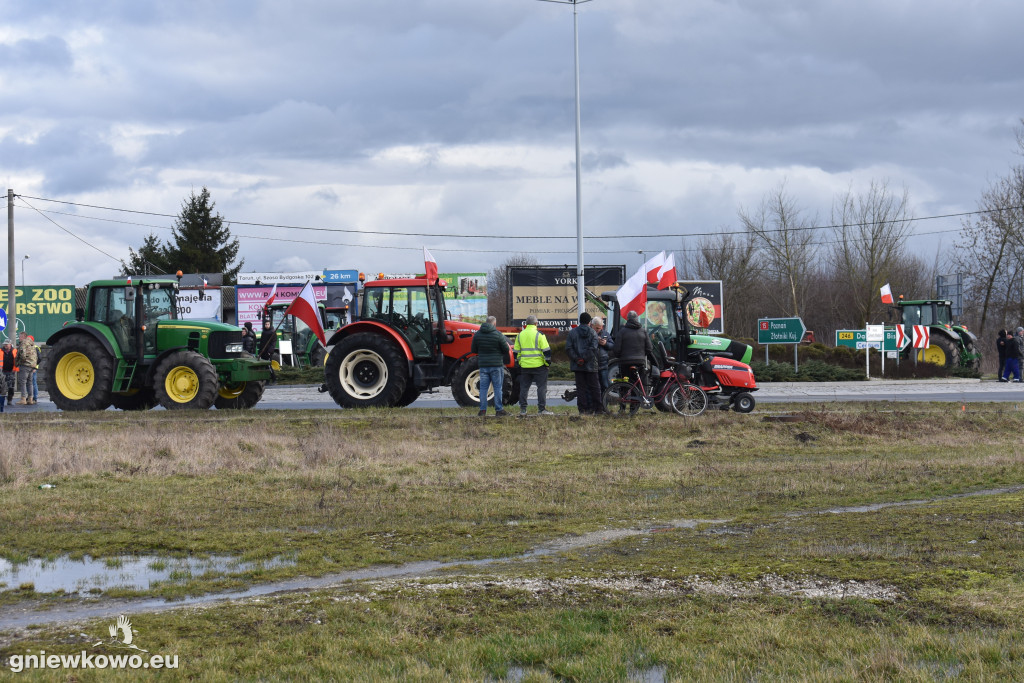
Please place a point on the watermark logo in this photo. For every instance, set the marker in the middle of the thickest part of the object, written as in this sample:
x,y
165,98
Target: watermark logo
x,y
122,637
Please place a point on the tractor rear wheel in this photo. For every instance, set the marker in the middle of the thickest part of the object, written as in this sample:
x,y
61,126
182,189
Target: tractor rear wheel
x,y
318,356
239,396
140,399
366,371
941,351
466,385
185,379
79,373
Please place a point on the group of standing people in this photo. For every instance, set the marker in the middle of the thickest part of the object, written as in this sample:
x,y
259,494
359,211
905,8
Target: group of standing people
x,y
1010,349
590,349
19,367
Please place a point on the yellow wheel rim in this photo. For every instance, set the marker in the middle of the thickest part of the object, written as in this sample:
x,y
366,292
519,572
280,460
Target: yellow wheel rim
x,y
75,376
182,384
933,354
232,390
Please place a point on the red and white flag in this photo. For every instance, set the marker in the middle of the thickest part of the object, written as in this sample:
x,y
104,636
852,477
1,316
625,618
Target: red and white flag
x,y
129,280
654,266
304,308
667,275
273,295
886,294
429,266
205,283
632,296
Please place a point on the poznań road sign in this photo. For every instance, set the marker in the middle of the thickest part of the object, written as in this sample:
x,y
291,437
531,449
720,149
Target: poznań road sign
x,y
780,330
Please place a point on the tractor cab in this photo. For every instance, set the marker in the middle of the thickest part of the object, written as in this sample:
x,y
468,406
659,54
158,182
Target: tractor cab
x,y
132,313
926,312
305,346
412,307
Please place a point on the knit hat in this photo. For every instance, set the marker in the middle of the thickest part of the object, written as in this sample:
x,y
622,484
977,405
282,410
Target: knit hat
x,y
248,325
585,318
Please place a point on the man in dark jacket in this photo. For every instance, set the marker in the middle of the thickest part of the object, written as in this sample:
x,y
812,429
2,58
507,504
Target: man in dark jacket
x,y
494,353
1014,353
1001,354
248,338
632,347
581,348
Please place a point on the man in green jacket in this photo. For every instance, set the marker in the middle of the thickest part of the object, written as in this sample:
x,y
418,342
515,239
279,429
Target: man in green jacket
x,y
533,356
494,353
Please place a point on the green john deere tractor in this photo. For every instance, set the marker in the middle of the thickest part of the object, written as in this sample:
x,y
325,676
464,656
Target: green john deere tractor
x,y
130,351
951,345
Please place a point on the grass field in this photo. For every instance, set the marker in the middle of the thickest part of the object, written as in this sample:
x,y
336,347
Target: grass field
x,y
654,548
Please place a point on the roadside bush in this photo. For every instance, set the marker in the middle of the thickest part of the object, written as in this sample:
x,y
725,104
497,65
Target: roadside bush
x,y
810,371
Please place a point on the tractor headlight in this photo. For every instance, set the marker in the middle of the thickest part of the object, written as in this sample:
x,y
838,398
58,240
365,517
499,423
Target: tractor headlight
x,y
233,348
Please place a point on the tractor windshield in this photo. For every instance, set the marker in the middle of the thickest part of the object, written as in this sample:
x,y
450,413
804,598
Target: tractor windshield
x,y
943,313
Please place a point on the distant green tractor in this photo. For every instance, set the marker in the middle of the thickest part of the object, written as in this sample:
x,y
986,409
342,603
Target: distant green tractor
x,y
950,345
130,351
307,348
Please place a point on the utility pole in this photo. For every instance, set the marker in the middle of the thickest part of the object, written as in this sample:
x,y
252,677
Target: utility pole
x,y
581,302
12,303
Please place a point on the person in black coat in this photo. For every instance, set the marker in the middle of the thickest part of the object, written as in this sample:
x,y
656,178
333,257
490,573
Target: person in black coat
x,y
633,347
248,338
1001,351
268,341
581,348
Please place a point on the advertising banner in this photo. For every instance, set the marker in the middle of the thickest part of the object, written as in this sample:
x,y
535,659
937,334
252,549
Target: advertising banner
x,y
42,310
284,278
249,299
466,296
192,307
549,292
712,291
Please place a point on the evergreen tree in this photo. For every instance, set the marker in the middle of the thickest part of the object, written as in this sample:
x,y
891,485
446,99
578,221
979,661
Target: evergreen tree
x,y
201,242
150,259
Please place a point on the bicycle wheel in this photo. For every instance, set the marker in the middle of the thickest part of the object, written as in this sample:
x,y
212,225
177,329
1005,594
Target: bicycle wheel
x,y
688,400
622,398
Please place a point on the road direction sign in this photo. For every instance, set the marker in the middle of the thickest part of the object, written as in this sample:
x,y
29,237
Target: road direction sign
x,y
855,338
780,330
3,319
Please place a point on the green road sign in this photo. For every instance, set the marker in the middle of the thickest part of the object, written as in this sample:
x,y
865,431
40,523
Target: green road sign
x,y
857,339
780,330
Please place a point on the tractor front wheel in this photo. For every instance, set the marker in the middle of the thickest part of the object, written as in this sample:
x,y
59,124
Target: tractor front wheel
x,y
366,371
239,396
185,379
79,373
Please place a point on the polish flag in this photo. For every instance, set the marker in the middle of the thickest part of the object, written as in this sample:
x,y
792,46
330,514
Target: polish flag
x,y
667,275
632,296
305,309
429,265
654,266
129,280
886,294
205,283
273,294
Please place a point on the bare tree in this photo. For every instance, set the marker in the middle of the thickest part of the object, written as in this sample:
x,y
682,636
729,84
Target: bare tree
x,y
498,286
871,235
788,243
733,260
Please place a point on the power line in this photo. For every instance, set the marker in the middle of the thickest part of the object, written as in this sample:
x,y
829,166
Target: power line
x,y
532,237
91,246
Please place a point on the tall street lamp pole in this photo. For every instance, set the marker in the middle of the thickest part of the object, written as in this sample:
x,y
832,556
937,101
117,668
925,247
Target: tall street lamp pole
x,y
581,302
23,259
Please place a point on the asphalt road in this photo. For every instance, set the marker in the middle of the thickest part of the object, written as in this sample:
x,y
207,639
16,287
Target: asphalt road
x,y
294,397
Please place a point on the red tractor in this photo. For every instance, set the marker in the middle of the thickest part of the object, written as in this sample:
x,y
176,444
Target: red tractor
x,y
402,345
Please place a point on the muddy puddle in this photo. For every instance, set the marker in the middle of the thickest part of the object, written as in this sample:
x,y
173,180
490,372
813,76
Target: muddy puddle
x,y
90,575
22,615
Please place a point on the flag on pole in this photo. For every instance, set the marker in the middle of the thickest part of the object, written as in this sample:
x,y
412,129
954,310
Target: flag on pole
x,y
273,295
429,266
667,275
129,280
205,283
653,267
304,308
886,294
632,296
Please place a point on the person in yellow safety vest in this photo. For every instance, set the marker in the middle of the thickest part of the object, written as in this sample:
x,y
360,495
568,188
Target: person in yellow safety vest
x,y
533,356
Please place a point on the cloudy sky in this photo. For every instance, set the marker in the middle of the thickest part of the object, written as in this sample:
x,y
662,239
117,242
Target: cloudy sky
x,y
389,126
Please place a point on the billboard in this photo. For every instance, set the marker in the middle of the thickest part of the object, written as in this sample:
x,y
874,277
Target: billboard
x,y
549,292
465,296
199,304
42,310
249,299
712,291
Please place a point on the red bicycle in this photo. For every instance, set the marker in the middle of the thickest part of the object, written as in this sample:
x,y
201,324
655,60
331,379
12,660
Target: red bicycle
x,y
625,397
